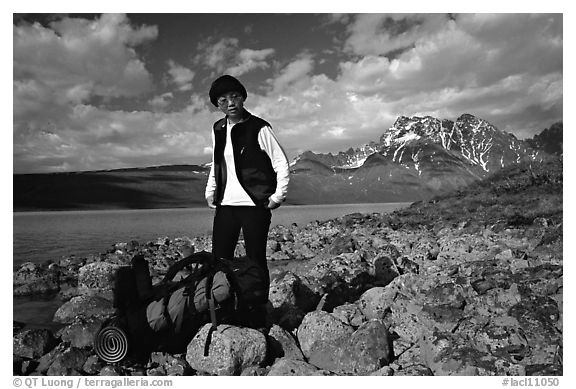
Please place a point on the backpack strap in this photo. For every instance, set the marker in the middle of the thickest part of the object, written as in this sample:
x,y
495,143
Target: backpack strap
x,y
188,308
202,257
212,309
184,308
165,312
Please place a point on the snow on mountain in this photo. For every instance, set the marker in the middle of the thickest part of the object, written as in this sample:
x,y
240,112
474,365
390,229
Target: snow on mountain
x,y
474,139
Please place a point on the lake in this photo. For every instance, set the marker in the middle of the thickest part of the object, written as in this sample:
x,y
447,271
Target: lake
x,y
41,236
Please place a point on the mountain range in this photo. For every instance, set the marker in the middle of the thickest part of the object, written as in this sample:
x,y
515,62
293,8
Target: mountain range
x,y
415,159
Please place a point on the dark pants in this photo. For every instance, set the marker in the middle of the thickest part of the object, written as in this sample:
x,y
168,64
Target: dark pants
x,y
254,222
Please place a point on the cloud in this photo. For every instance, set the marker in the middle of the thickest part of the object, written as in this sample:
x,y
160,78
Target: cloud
x,y
294,73
450,58
216,55
162,101
496,66
378,34
441,66
181,76
60,69
248,60
226,51
96,54
314,112
96,139
470,51
66,64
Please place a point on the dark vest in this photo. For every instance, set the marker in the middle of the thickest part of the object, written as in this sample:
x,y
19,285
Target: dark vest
x,y
253,166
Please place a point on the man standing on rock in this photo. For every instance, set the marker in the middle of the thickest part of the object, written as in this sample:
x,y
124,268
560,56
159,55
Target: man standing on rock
x,y
248,178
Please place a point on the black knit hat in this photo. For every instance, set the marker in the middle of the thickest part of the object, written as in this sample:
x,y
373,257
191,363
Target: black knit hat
x,y
224,85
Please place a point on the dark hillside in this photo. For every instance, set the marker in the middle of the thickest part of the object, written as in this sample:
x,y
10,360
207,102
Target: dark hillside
x,y
155,187
517,195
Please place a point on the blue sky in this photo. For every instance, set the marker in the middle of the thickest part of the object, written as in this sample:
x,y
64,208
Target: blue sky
x,y
106,91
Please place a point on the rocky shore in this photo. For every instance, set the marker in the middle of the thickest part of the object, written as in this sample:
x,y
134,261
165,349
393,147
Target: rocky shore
x,y
467,284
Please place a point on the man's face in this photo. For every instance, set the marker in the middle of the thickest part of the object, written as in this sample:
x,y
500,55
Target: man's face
x,y
231,104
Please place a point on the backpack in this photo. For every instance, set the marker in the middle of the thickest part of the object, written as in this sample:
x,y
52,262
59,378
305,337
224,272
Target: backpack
x,y
167,315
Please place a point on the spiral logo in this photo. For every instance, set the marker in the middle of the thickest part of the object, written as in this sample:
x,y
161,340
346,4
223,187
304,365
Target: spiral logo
x,y
111,344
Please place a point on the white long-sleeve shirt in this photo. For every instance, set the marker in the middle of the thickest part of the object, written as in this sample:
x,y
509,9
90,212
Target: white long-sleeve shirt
x,y
234,194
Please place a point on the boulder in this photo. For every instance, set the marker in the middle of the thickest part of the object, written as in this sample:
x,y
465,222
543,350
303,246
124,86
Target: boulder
x,y
426,302
398,304
272,246
406,265
405,354
451,354
457,247
350,314
31,278
302,251
352,219
537,315
290,299
232,349
37,288
97,277
388,250
366,351
342,278
384,270
320,335
282,343
81,332
278,256
343,244
93,365
161,363
376,302
84,307
202,243
46,360
330,344
32,343
69,268
495,302
68,362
